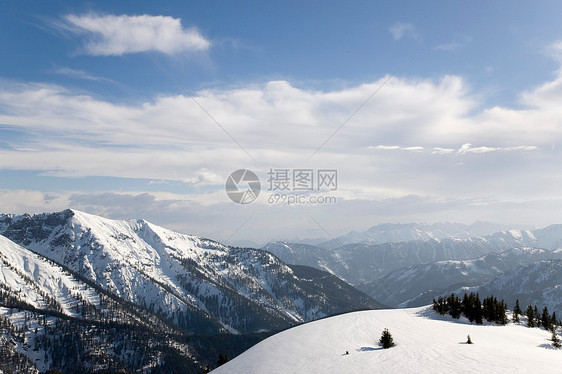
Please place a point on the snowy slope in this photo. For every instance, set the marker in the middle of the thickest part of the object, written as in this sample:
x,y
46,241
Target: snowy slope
x,y
425,343
37,281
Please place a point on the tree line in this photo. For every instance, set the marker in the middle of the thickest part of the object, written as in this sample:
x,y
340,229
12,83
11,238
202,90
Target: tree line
x,y
490,309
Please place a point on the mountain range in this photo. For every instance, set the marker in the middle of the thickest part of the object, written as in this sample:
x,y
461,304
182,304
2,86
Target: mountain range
x,y
405,232
82,293
411,273
68,266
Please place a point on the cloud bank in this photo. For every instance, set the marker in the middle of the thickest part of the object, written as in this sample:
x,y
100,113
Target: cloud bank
x,y
422,149
115,35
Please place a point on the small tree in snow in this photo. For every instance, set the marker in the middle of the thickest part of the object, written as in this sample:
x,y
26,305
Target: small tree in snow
x,y
555,341
386,339
468,341
517,311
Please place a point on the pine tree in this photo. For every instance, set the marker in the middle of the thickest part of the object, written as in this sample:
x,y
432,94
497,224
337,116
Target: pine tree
x,y
555,341
454,306
466,307
223,359
386,339
477,310
537,321
546,319
516,311
530,316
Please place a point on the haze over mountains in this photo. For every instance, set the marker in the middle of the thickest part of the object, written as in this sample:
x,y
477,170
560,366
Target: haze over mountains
x,y
404,232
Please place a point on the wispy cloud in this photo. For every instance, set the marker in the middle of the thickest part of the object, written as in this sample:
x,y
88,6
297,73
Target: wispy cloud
x,y
113,35
453,45
400,30
442,151
447,46
80,74
397,147
468,148
464,149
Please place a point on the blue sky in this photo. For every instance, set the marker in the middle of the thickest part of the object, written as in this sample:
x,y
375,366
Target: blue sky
x,y
142,109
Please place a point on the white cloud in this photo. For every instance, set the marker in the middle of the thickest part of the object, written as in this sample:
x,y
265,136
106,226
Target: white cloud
x,y
467,148
80,74
112,35
397,147
442,151
400,30
447,46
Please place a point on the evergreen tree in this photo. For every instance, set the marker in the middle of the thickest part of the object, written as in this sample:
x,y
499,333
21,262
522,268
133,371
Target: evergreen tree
x,y
516,311
537,321
223,359
555,341
454,306
530,316
466,307
440,305
477,310
502,317
386,339
545,319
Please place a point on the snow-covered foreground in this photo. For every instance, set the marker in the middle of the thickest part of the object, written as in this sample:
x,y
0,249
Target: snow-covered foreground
x,y
425,343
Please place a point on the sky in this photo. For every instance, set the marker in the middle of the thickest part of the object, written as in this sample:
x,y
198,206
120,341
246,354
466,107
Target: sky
x,y
424,111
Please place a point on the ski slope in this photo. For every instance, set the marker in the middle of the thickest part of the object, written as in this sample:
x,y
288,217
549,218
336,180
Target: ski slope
x,y
425,343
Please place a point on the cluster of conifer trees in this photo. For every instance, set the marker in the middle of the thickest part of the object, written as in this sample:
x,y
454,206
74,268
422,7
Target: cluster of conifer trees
x,y
493,310
490,309
535,318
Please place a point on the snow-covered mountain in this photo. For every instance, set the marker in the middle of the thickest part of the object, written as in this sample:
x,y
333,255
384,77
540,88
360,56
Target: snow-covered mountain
x,y
198,284
45,308
417,285
539,283
363,263
549,238
425,343
366,261
405,232
41,283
